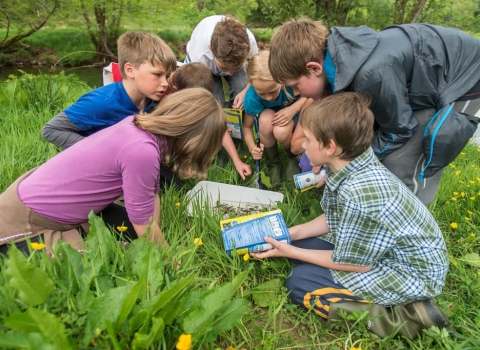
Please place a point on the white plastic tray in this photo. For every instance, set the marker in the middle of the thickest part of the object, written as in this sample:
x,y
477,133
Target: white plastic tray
x,y
211,193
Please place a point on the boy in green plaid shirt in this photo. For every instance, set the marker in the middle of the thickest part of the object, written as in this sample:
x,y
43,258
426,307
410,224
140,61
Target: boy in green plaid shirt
x,y
376,247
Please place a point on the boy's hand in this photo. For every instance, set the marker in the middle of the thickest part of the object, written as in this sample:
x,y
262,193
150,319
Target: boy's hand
x,y
284,116
280,249
316,170
243,169
238,100
257,152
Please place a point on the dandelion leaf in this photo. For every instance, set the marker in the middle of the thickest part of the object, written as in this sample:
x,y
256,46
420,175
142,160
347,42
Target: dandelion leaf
x,y
228,316
264,295
72,267
33,284
100,242
105,307
472,259
85,296
143,341
198,319
266,179
149,269
36,321
168,296
131,297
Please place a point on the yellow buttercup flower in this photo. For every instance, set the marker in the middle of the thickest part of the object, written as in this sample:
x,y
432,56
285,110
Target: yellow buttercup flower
x,y
244,156
471,181
451,165
462,194
472,198
454,225
354,348
472,234
246,257
462,153
37,246
198,242
468,219
122,228
454,199
455,263
455,193
177,204
98,331
184,342
230,348
457,172
470,212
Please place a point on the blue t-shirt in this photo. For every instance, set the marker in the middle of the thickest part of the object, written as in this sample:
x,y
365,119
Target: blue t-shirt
x,y
102,107
254,104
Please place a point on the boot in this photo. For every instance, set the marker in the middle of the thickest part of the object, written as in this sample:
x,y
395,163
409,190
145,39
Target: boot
x,y
292,165
408,320
274,164
222,158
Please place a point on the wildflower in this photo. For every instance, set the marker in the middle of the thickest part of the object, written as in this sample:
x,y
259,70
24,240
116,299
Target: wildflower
x,y
230,348
470,212
244,156
471,181
457,172
478,179
246,257
455,263
468,219
462,194
472,198
122,228
455,193
98,331
454,225
454,199
451,165
37,246
355,348
462,153
184,342
177,204
472,234
198,242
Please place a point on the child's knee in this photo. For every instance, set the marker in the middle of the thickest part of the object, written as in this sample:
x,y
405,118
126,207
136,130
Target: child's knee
x,y
265,120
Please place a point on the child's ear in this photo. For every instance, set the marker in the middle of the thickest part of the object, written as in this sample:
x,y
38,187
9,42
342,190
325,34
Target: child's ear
x,y
315,67
331,147
128,68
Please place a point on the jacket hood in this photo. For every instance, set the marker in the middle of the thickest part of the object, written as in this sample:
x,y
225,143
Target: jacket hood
x,y
350,47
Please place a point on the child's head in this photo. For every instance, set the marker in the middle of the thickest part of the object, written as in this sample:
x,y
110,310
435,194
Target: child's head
x,y
260,78
137,47
343,118
194,124
297,53
230,44
194,74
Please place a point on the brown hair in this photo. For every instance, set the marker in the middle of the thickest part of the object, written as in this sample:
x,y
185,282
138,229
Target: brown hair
x,y
138,47
194,124
194,74
295,44
344,118
230,42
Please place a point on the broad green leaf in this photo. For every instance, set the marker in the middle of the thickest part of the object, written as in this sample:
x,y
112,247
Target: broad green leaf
x,y
166,296
148,269
74,266
227,318
105,307
138,320
264,295
472,259
13,340
84,296
202,312
265,179
37,321
135,251
33,284
130,299
143,341
99,242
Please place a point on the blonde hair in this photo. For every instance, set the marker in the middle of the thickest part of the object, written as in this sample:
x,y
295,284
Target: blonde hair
x,y
194,74
194,124
230,42
257,69
344,118
295,44
138,47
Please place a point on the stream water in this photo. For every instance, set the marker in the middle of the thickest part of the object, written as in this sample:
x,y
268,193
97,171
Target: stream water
x,y
90,75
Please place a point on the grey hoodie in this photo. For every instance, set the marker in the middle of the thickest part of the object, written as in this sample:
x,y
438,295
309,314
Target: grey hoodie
x,y
404,68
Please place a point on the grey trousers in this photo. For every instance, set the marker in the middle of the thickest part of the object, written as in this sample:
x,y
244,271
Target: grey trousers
x,y
407,162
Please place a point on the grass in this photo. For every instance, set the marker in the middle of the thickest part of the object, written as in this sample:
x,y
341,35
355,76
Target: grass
x,y
272,321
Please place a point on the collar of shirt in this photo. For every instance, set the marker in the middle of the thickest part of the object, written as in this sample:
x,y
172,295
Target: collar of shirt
x,y
335,179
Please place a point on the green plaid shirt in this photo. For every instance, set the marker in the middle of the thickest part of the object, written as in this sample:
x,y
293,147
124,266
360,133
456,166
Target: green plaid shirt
x,y
374,219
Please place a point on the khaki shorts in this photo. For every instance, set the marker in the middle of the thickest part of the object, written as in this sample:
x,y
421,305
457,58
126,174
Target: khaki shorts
x,y
18,222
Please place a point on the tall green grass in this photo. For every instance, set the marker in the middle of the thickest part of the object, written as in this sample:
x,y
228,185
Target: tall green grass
x,y
272,322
